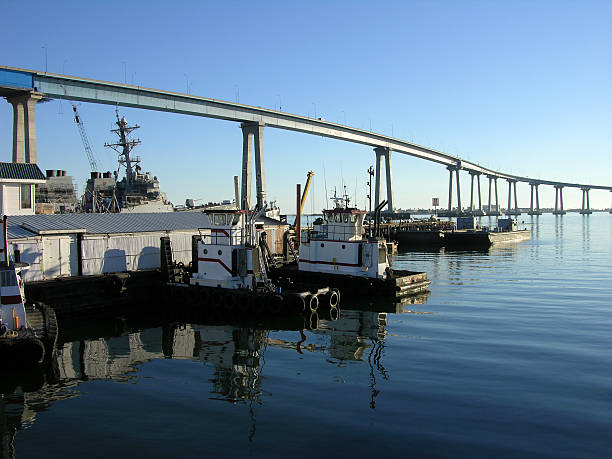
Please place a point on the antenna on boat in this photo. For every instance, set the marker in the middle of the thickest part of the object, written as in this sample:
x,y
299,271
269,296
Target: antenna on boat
x,y
325,182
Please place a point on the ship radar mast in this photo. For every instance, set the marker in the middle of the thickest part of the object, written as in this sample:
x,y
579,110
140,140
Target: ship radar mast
x,y
340,202
124,146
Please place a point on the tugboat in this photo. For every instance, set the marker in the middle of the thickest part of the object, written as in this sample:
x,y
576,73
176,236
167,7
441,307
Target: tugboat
x,y
337,251
19,343
229,269
137,192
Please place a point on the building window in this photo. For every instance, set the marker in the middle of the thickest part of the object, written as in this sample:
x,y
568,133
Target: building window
x,y
26,196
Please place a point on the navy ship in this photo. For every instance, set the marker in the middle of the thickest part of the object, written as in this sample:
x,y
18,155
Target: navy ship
x,y
137,192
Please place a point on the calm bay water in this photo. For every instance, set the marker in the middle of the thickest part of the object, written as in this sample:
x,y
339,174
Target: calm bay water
x,y
510,355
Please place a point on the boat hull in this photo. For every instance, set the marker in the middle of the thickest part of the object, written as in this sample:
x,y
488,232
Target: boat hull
x,y
402,283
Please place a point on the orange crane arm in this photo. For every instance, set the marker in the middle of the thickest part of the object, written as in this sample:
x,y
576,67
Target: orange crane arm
x,y
303,201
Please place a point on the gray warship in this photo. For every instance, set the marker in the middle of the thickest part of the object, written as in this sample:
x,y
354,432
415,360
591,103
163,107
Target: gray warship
x,y
137,192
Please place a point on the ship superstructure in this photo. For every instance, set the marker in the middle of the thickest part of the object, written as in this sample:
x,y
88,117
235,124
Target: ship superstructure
x,y
136,192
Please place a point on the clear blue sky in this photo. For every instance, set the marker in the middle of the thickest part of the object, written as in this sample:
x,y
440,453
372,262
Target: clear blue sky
x,y
520,86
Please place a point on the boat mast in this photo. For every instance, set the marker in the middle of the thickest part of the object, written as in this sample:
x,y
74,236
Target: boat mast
x,y
124,147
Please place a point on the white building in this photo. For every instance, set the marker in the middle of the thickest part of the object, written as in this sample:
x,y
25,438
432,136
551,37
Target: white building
x,y
17,188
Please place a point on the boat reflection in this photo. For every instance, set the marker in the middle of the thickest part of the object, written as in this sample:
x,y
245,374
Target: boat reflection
x,y
116,347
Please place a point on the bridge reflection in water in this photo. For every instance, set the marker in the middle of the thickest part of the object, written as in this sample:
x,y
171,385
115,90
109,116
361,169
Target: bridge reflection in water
x,y
236,353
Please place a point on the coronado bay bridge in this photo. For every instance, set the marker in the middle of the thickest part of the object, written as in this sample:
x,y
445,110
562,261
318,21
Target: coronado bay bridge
x,y
24,88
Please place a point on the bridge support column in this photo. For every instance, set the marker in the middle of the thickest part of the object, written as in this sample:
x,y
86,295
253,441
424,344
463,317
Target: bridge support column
x,y
586,205
24,127
473,212
456,170
490,211
386,153
510,210
536,211
558,200
450,188
252,131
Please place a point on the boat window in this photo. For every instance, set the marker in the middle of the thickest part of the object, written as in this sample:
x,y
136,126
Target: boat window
x,y
338,218
236,219
382,254
353,218
346,218
8,279
219,219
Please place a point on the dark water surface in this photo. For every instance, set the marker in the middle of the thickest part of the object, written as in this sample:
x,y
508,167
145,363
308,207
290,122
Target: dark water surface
x,y
510,355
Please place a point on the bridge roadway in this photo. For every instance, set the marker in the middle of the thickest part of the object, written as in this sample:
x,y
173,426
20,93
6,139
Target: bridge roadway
x,y
55,86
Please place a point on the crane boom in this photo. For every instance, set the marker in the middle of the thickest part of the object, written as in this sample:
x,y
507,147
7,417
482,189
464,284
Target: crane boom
x,y
306,187
85,139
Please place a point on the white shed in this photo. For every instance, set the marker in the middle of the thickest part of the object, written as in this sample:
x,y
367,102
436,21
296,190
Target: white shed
x,y
17,188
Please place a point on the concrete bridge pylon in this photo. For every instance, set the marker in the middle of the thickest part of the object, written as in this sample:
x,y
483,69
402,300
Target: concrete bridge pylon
x,y
495,212
479,211
252,131
509,209
383,152
559,201
536,210
454,168
586,205
24,126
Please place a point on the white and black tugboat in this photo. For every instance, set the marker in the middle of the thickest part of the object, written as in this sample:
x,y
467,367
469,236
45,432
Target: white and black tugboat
x,y
229,270
21,343
337,251
136,192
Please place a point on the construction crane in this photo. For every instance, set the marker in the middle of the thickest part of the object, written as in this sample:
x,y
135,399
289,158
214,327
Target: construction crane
x,y
84,138
79,122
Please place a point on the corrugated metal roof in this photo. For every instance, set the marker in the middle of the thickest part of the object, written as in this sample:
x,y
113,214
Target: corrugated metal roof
x,y
16,232
21,171
104,223
22,226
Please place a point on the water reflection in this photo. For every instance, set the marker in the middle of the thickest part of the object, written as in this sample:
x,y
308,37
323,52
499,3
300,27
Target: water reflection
x,y
116,347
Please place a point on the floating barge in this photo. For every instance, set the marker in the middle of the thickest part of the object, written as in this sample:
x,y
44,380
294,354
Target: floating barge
x,y
466,235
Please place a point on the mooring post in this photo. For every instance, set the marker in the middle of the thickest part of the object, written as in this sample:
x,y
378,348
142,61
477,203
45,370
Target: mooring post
x,y
298,216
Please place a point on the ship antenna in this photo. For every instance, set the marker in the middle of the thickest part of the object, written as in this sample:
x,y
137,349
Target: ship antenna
x,y
325,183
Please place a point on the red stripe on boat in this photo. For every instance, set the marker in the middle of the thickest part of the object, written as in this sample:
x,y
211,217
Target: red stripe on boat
x,y
216,260
352,265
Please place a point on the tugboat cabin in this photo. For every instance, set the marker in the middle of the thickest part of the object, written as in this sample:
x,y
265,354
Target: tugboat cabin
x,y
223,253
336,244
